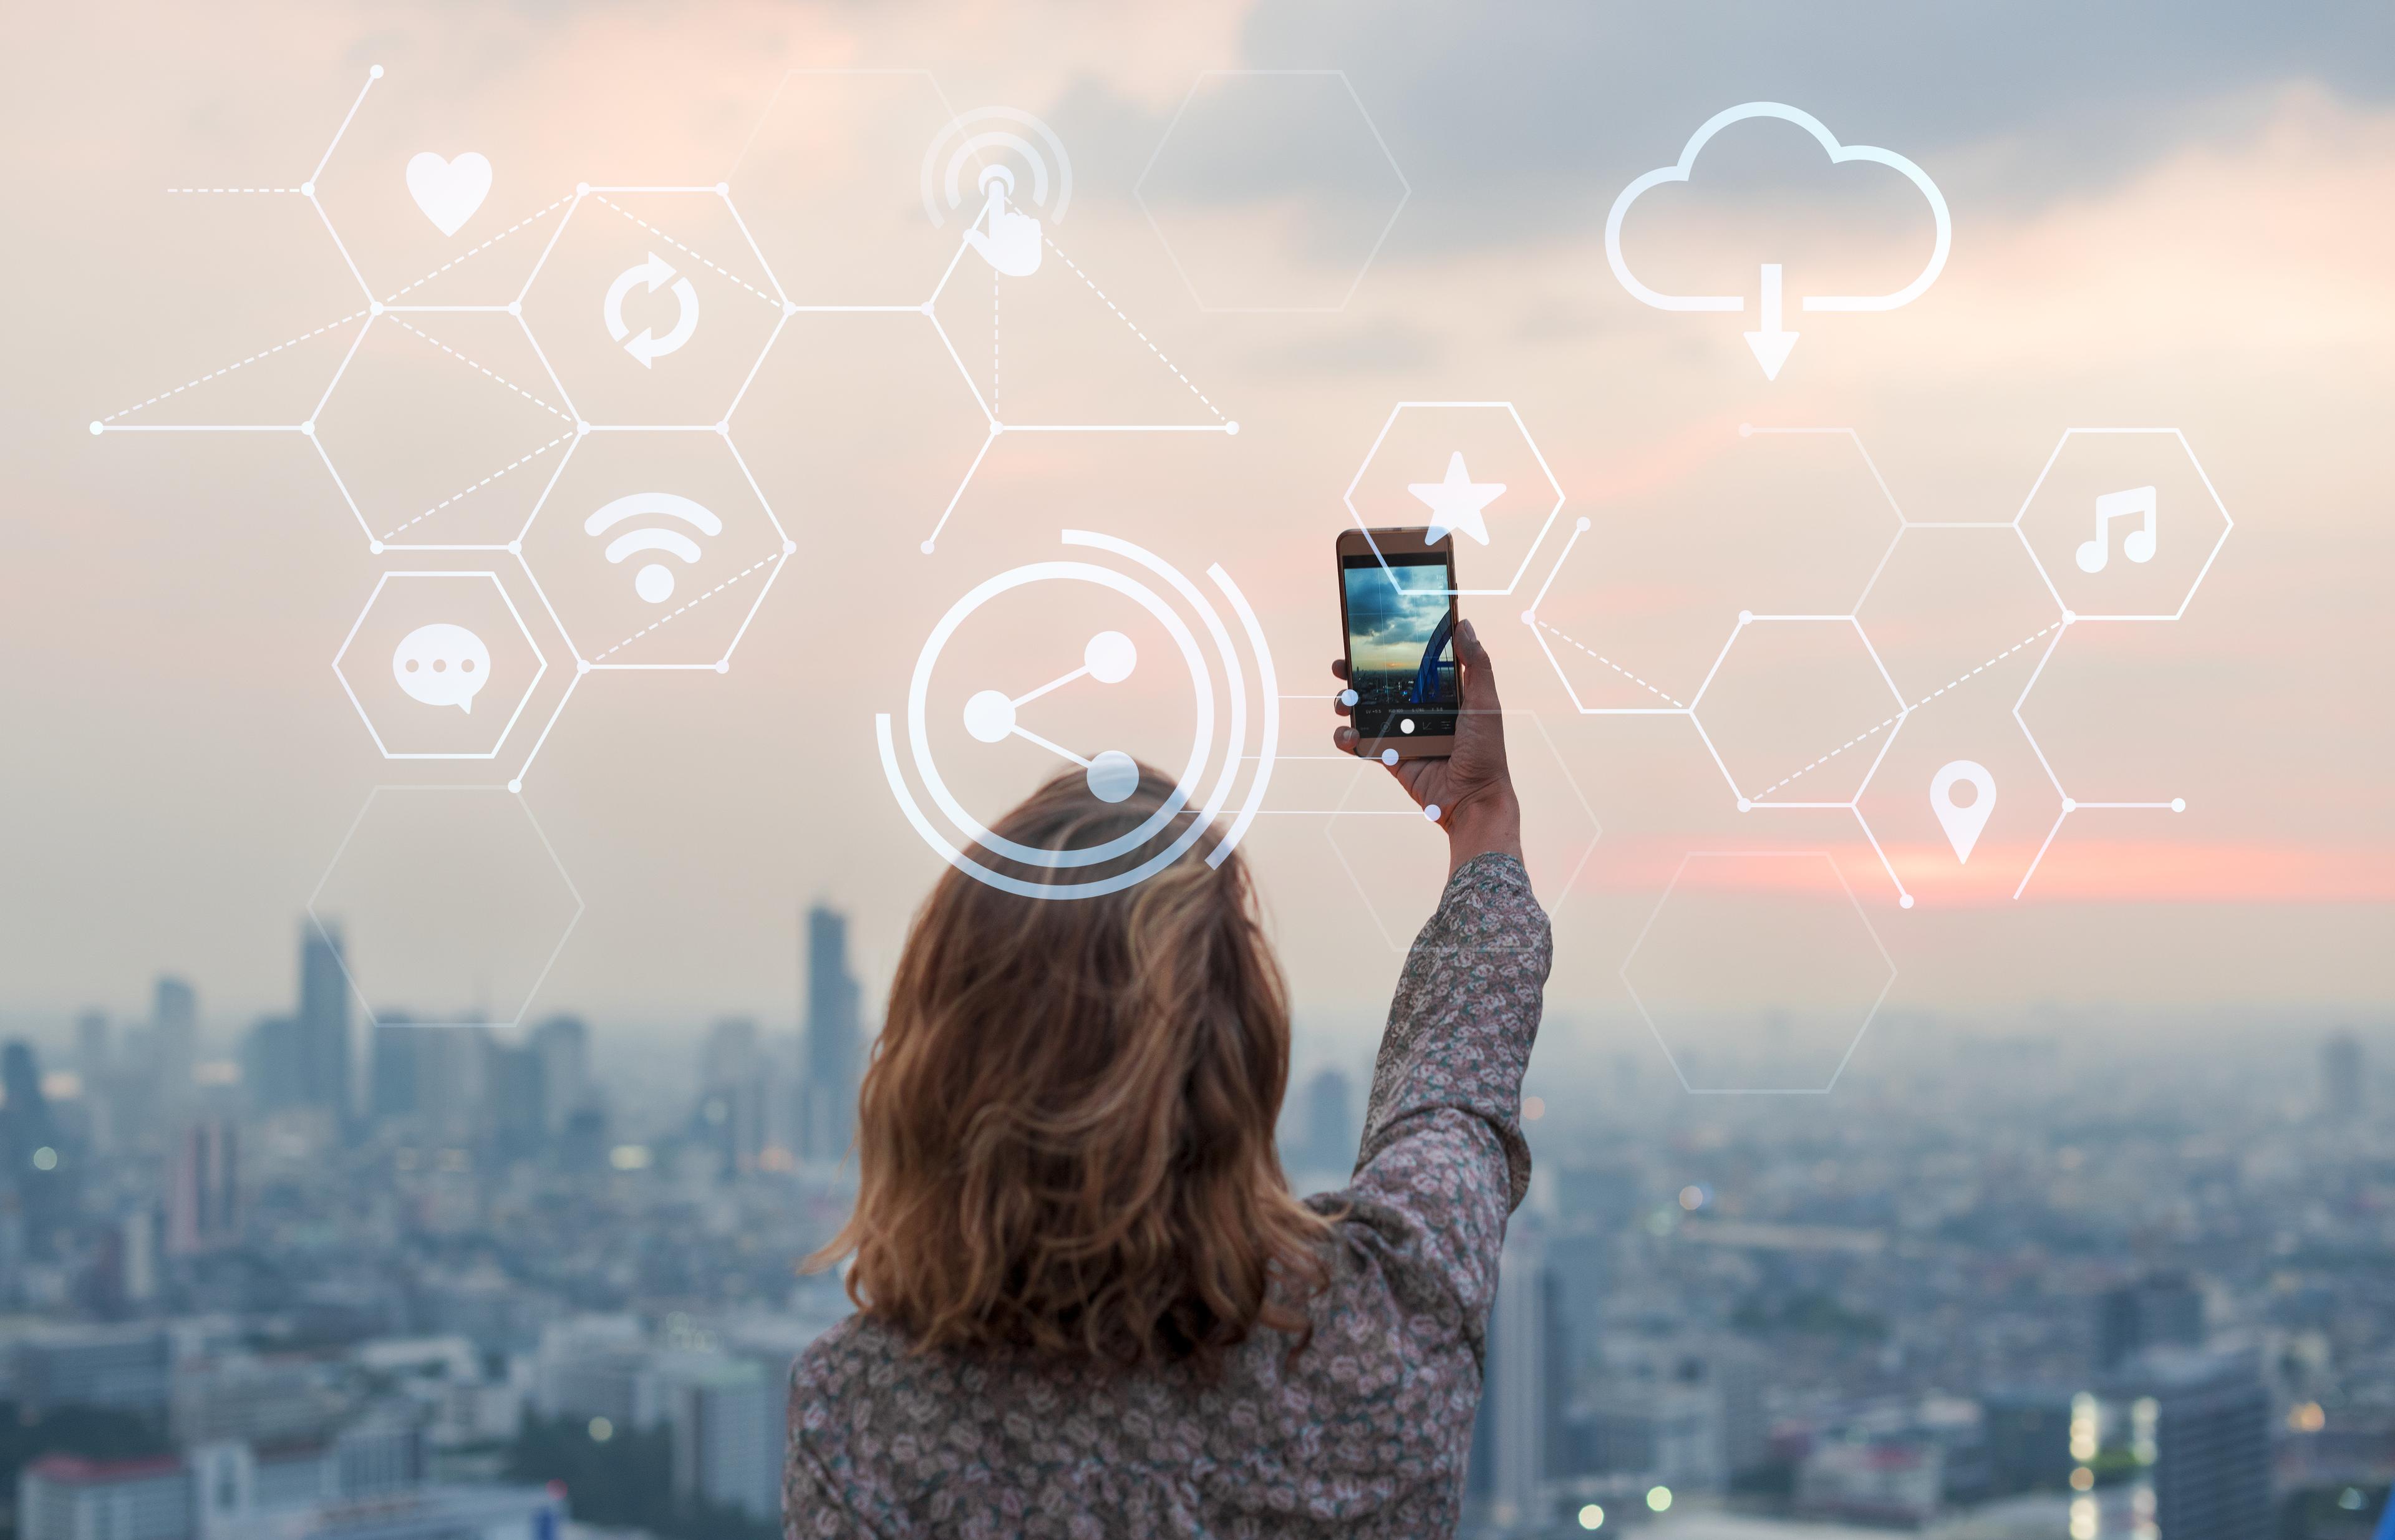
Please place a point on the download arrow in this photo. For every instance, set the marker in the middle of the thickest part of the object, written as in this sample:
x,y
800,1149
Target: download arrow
x,y
1771,344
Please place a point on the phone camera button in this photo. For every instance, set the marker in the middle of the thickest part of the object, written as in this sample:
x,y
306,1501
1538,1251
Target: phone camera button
x,y
1407,725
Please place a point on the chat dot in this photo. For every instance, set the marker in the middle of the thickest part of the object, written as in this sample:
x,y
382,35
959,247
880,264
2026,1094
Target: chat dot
x,y
442,664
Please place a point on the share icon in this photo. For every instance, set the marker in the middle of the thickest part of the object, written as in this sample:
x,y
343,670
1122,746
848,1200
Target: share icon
x,y
1108,658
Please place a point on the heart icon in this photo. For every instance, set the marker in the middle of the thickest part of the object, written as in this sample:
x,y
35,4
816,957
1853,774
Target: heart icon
x,y
449,190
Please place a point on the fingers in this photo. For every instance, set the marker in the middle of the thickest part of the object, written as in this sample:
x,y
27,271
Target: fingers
x,y
1338,668
1479,671
1343,740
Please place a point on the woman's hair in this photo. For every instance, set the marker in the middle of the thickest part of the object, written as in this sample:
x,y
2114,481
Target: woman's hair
x,y
1066,1136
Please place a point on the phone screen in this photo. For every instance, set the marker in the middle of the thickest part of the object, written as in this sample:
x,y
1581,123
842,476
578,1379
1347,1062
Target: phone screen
x,y
1401,643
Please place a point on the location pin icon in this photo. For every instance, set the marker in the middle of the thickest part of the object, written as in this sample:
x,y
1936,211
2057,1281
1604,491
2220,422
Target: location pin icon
x,y
1963,824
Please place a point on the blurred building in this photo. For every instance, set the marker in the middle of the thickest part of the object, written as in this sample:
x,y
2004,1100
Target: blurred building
x,y
65,1497
2161,1309
270,1064
92,1058
736,1086
834,1044
1519,1435
728,1433
2343,1093
2028,1438
323,1042
120,1368
1331,1139
564,1045
204,1188
174,1038
2201,1422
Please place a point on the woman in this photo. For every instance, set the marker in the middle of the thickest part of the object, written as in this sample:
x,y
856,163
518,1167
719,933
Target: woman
x,y
1088,1303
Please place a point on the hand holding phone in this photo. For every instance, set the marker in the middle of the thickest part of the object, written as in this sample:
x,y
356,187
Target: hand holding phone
x,y
1452,762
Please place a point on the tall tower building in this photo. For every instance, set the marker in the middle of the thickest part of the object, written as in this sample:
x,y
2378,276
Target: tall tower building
x,y
91,1049
174,1037
564,1045
324,1067
834,1041
2341,1073
2201,1422
204,1188
1516,1436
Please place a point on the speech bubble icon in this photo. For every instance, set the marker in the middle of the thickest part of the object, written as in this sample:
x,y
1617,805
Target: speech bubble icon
x,y
442,664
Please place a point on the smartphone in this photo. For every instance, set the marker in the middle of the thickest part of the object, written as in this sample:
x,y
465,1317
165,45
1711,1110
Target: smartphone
x,y
1397,604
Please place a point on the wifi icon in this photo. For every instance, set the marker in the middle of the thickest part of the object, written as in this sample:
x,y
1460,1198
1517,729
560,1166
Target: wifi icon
x,y
654,580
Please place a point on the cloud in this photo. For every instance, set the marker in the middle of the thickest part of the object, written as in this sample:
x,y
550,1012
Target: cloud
x,y
1839,153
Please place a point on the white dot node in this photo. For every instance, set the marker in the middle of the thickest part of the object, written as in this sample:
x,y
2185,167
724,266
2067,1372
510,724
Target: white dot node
x,y
2179,804
580,189
374,74
790,306
582,664
926,548
1348,697
723,665
2069,805
96,430
989,716
1582,523
654,583
789,547
1389,758
1431,811
2068,617
1744,805
309,427
516,785
1110,657
306,190
1904,900
515,307
580,427
1112,776
1232,429
515,548
724,189
375,545
374,307
1746,618
1746,430
724,430
1528,619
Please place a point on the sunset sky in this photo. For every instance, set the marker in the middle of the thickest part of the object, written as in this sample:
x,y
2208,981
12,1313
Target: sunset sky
x,y
2172,217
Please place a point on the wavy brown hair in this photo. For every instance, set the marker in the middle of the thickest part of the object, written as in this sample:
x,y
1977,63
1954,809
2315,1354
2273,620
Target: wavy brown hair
x,y
1066,1136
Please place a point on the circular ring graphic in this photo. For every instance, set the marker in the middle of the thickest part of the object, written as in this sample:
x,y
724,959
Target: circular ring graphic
x,y
1103,768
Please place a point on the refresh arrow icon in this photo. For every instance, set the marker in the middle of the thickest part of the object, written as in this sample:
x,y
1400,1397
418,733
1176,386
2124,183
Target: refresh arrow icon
x,y
655,273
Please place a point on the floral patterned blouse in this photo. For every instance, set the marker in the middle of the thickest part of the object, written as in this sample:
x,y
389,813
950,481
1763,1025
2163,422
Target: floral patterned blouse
x,y
1364,1433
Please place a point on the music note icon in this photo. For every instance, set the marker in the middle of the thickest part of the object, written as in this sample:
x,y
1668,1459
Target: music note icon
x,y
2138,545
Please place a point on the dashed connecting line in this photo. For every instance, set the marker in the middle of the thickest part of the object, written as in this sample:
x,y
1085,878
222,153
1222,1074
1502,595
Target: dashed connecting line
x,y
472,365
1608,662
477,251
231,367
1907,711
1134,330
480,485
693,604
686,251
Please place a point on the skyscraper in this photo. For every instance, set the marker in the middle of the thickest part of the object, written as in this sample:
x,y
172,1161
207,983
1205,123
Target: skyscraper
x,y
91,1048
2341,1073
324,1045
2164,1309
2201,1421
828,1096
204,1188
564,1045
1517,1437
174,1037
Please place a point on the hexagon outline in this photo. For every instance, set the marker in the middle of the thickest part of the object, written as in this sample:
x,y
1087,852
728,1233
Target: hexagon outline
x,y
1563,896
1894,724
522,702
377,545
1537,540
340,954
719,190
2070,803
722,664
1869,1015
2226,522
1405,195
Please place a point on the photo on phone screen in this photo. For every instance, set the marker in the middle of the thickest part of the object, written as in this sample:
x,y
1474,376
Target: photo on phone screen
x,y
1401,643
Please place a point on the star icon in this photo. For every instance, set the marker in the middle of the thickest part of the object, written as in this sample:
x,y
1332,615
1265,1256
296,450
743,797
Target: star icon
x,y
1455,503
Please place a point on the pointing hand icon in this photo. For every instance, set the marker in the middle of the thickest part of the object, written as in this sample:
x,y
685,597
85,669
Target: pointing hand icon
x,y
1011,243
